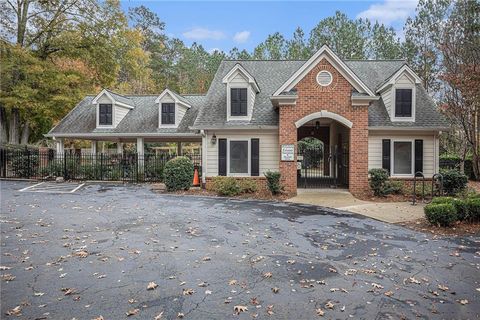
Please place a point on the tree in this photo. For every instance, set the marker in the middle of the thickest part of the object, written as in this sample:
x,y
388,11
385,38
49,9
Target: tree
x,y
297,48
461,60
273,48
347,38
384,43
422,40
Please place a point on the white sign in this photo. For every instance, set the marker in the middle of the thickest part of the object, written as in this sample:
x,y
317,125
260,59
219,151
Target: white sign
x,y
288,152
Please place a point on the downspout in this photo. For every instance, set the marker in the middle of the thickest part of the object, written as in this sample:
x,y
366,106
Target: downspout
x,y
204,156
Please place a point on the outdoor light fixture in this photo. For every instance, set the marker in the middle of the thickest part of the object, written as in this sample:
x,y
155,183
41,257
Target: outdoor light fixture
x,y
317,125
214,139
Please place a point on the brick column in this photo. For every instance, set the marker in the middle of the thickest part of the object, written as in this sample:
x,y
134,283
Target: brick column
x,y
288,135
358,160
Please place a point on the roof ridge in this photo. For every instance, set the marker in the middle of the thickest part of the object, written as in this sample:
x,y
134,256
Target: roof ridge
x,y
265,60
374,60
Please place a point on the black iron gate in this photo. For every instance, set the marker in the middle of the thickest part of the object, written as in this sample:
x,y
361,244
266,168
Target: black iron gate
x,y
322,167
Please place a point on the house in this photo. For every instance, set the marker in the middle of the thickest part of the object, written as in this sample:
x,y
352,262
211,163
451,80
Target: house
x,y
365,113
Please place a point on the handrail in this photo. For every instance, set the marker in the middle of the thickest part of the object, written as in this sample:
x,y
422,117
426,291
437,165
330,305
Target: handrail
x,y
438,176
414,196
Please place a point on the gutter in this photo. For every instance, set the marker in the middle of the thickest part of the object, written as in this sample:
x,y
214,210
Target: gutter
x,y
408,128
245,127
120,135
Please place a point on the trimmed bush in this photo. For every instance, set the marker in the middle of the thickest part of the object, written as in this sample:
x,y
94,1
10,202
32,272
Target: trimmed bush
x,y
461,207
273,182
441,200
453,181
226,186
473,209
380,183
178,174
442,214
248,185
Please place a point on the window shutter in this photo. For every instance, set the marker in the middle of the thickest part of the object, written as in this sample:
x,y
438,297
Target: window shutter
x,y
418,156
222,157
386,154
255,157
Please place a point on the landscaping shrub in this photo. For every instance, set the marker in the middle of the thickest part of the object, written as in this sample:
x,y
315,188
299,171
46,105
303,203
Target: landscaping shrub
x,y
473,209
24,164
441,200
380,183
248,186
178,174
226,186
442,214
453,181
461,207
273,182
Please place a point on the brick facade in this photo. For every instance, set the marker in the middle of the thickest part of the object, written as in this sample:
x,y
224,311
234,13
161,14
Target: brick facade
x,y
335,98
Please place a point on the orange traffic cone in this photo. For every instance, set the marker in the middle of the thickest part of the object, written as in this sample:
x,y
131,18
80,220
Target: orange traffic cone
x,y
196,182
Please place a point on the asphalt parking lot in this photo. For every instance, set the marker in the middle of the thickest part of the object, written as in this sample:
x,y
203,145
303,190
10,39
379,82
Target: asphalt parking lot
x,y
109,251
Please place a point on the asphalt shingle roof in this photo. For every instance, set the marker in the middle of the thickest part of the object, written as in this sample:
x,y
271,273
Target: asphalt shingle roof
x,y
209,110
142,119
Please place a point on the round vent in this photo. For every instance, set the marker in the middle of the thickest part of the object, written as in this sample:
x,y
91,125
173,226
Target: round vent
x,y
324,78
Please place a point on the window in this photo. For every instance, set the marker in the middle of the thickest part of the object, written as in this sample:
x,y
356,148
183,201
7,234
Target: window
x,y
403,103
402,158
105,114
168,113
239,157
238,101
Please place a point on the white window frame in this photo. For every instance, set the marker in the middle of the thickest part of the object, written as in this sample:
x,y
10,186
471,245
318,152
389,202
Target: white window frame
x,y
249,154
231,86
394,103
106,126
168,125
392,157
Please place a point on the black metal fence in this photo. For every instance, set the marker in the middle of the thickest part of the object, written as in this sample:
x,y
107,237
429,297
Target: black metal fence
x,y
47,164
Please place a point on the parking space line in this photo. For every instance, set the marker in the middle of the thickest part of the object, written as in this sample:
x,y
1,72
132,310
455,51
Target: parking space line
x,y
30,187
77,188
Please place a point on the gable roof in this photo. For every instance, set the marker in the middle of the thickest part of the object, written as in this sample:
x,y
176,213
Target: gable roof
x,y
117,98
142,119
175,96
324,53
238,67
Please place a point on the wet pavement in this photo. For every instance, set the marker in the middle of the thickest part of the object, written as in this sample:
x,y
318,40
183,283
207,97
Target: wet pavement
x,y
93,253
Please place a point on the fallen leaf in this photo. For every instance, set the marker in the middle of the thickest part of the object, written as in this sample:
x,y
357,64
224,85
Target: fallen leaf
x,y
254,301
180,315
188,292
413,280
8,277
232,282
3,268
332,270
206,259
68,291
329,305
267,275
270,309
98,318
132,312
464,301
239,309
208,292
377,286
389,293
152,286
442,287
202,284
15,311
81,254
320,312
158,316
275,290
38,294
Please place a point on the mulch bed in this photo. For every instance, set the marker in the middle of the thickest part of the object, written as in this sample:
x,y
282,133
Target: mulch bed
x,y
207,193
368,196
459,229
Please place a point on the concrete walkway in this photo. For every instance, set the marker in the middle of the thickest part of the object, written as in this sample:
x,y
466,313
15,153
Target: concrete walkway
x,y
392,212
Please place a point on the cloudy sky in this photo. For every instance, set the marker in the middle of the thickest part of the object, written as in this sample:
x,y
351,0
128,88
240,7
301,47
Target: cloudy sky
x,y
226,24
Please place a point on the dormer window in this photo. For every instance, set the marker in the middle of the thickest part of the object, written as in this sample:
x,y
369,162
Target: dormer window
x,y
403,103
168,113
105,114
239,102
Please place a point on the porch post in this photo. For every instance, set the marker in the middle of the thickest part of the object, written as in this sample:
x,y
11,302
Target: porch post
x,y
140,154
204,157
120,147
179,148
59,144
93,147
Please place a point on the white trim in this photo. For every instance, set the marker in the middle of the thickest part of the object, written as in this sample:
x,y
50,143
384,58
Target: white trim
x,y
392,157
105,92
238,67
329,74
204,155
174,97
30,187
397,74
249,153
250,103
324,53
324,114
122,135
414,102
384,128
106,126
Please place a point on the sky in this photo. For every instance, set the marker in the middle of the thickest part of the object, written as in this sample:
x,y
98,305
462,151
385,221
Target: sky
x,y
222,25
